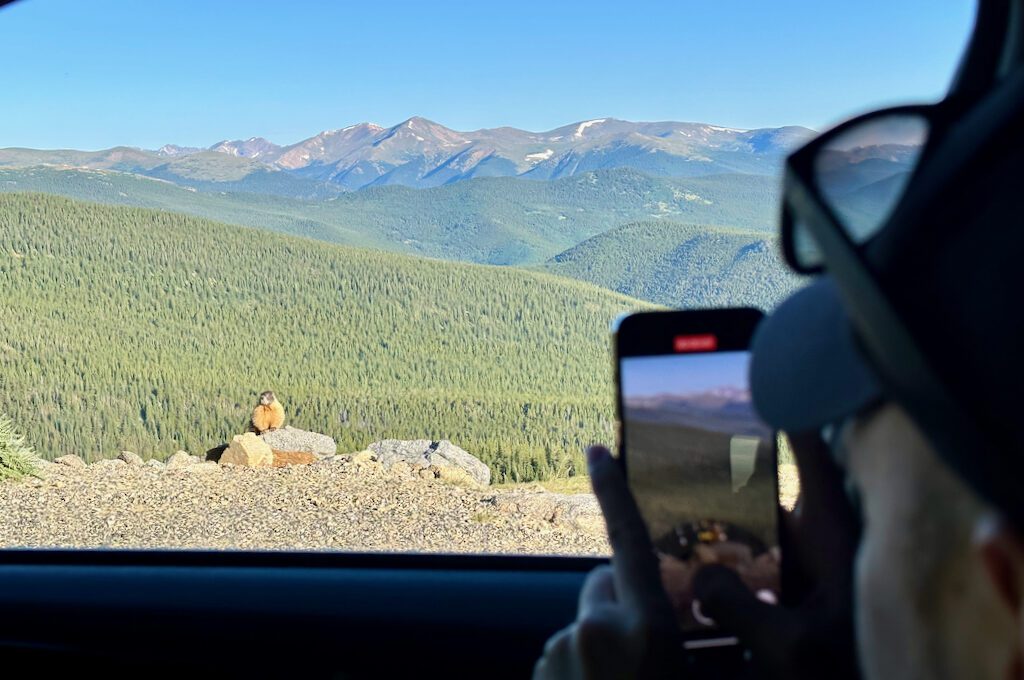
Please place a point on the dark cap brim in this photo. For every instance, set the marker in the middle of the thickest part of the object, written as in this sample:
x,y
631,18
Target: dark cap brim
x,y
806,371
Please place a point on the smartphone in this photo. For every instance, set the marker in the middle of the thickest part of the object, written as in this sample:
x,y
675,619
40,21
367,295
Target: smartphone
x,y
699,462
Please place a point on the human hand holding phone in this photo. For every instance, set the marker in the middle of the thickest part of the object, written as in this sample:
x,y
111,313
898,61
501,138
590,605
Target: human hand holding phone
x,y
699,462
811,634
625,626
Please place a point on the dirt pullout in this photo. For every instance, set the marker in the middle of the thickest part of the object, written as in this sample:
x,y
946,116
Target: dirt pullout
x,y
335,504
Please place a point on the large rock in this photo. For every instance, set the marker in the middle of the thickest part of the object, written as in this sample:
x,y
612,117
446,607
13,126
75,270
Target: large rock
x,y
248,450
293,439
425,453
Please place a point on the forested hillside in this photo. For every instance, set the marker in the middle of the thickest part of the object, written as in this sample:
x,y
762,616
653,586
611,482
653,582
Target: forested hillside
x,y
492,220
127,328
682,265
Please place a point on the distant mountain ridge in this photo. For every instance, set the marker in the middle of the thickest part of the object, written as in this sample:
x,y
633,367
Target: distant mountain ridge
x,y
420,153
497,220
723,409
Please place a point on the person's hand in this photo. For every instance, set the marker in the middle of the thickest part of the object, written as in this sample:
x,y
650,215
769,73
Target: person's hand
x,y
625,626
811,634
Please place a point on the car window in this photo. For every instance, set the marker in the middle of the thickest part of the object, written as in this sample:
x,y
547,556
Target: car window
x,y
324,276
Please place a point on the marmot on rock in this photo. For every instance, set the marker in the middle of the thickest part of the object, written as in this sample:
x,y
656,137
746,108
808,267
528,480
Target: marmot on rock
x,y
268,414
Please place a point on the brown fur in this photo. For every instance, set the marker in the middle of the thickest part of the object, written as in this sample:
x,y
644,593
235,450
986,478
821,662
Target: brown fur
x,y
268,414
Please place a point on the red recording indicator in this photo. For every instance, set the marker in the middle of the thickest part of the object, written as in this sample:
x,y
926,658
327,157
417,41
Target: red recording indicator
x,y
706,342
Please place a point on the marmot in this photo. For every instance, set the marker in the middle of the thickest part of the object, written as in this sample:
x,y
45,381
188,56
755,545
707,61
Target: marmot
x,y
268,414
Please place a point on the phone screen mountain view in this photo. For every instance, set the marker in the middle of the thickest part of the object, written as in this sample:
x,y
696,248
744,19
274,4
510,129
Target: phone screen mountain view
x,y
702,468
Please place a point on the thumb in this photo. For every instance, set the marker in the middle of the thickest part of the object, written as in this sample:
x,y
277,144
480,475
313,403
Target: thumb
x,y
769,631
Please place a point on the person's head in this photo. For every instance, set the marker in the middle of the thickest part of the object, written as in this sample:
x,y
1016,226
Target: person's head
x,y
939,578
914,338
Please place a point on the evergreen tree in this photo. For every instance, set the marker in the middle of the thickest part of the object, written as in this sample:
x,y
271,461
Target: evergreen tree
x,y
17,460
128,328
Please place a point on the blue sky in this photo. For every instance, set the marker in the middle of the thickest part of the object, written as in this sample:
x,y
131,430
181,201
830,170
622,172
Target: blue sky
x,y
683,374
143,73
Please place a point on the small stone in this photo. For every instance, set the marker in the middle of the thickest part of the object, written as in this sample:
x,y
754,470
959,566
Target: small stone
x,y
366,456
109,464
248,450
131,458
203,467
71,460
284,458
154,463
179,460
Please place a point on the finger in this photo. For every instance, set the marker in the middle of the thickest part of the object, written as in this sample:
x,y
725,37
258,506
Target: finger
x,y
558,660
827,520
540,669
819,472
606,645
637,580
598,590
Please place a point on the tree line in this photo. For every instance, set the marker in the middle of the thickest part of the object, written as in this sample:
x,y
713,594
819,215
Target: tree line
x,y
127,328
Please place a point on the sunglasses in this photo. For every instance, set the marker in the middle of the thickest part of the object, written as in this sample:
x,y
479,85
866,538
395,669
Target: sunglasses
x,y
842,187
841,191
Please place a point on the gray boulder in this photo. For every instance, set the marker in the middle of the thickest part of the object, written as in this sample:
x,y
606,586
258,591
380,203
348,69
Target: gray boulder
x,y
293,439
426,453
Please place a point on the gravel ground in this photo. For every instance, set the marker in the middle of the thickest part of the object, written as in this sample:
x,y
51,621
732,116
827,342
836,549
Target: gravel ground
x,y
335,504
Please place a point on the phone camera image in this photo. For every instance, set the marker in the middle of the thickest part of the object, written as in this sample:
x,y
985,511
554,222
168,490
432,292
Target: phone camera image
x,y
701,466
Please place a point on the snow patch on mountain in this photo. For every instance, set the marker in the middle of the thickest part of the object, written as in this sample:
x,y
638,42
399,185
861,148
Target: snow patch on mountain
x,y
583,126
540,155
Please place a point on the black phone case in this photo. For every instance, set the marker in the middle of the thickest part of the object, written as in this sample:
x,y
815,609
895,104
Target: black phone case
x,y
654,334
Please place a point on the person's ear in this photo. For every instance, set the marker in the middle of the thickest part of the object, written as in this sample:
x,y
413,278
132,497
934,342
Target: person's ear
x,y
1002,553
1001,550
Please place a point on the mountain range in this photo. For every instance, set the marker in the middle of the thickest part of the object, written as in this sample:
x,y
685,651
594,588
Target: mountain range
x,y
680,214
420,153
723,409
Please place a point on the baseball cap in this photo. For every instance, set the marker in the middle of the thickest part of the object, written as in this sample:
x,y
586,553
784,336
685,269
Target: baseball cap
x,y
948,260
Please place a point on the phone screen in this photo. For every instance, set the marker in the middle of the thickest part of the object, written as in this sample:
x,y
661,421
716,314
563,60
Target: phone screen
x,y
702,468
